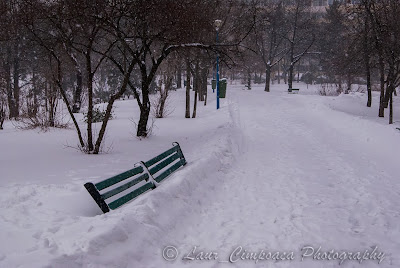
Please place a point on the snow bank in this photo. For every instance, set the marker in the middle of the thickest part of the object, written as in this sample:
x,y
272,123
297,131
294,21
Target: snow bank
x,y
59,225
126,237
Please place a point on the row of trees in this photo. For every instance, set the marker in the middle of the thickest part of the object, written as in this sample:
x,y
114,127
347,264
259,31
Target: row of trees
x,y
382,46
76,49
366,45
81,51
339,43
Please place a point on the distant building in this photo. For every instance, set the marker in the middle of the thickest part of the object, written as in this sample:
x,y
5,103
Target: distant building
x,y
330,2
321,5
315,4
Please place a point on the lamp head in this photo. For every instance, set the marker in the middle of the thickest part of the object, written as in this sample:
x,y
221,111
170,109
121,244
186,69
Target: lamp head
x,y
217,24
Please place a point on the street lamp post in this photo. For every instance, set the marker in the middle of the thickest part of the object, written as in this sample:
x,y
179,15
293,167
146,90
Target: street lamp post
x,y
217,25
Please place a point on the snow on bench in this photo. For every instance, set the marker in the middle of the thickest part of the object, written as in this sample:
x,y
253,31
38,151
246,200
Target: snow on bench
x,y
293,90
116,191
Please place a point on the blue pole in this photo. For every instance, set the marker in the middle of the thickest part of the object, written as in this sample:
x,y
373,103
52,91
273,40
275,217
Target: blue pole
x,y
217,75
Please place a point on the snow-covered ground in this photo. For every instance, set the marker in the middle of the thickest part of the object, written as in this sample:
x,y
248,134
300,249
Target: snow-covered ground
x,y
267,172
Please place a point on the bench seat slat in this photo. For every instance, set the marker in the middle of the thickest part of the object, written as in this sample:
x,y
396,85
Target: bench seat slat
x,y
167,172
163,164
122,200
124,186
118,178
160,157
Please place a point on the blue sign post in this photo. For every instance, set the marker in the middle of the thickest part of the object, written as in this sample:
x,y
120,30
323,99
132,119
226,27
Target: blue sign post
x,y
217,26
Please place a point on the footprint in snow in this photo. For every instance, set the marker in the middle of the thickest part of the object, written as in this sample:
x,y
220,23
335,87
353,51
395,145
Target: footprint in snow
x,y
356,226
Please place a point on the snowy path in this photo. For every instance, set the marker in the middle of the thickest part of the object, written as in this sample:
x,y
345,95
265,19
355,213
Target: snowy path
x,y
301,180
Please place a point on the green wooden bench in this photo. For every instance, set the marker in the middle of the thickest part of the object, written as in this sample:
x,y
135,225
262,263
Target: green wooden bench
x,y
293,90
118,190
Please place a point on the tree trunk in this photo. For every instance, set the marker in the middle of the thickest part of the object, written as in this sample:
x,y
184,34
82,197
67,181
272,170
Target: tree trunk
x,y
390,84
10,94
144,118
248,79
16,88
110,104
349,82
369,88
386,97
102,131
367,62
164,95
142,130
160,112
90,100
187,111
203,84
196,86
51,100
179,75
34,88
267,77
2,115
391,108
298,72
195,104
391,80
285,72
58,81
200,92
279,72
290,76
340,89
382,80
291,65
78,93
107,117
144,110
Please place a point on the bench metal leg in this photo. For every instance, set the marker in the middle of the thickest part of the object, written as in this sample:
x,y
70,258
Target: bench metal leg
x,y
180,153
97,197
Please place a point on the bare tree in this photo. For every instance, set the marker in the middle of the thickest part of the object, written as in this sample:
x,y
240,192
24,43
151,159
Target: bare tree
x,y
188,75
385,27
11,52
301,35
86,31
160,104
269,31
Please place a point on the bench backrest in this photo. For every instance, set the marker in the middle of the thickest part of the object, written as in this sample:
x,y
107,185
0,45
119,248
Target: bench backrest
x,y
118,190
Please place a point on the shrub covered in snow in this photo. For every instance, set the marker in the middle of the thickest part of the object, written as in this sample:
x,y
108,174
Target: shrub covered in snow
x,y
97,115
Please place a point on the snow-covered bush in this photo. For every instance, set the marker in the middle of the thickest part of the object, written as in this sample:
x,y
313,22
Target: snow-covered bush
x,y
32,118
160,104
329,90
97,115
